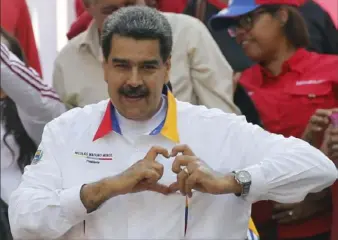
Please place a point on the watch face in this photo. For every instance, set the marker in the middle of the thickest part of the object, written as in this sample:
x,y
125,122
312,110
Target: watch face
x,y
243,176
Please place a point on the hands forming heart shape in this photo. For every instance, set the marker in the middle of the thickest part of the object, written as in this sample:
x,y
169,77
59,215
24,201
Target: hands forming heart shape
x,y
192,173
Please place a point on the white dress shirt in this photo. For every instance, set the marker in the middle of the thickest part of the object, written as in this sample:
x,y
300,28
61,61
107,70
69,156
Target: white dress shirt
x,y
86,145
37,104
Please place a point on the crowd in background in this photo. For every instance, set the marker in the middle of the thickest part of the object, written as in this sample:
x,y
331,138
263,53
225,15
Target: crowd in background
x,y
283,77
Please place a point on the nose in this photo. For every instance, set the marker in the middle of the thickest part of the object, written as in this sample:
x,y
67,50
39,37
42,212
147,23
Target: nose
x,y
240,34
135,78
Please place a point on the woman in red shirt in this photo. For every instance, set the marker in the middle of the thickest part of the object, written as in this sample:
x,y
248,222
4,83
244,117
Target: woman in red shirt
x,y
287,86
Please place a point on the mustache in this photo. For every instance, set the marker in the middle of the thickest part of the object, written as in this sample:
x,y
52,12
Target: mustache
x,y
130,91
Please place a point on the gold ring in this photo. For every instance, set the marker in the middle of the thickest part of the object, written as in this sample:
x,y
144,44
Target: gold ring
x,y
185,169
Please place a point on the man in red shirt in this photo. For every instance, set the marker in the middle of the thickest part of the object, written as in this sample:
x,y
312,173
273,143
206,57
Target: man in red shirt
x,y
16,20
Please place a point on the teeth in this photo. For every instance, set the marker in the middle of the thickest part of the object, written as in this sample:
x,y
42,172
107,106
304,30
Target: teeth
x,y
245,42
133,96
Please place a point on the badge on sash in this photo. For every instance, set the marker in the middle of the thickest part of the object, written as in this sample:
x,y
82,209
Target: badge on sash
x,y
37,157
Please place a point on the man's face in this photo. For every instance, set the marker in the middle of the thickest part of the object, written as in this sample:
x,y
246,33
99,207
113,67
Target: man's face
x,y
136,73
100,9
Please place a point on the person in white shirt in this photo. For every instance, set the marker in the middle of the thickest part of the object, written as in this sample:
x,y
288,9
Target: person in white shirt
x,y
200,74
126,167
26,106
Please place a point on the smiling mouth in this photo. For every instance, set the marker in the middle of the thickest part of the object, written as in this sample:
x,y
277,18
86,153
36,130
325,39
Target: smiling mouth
x,y
244,43
133,98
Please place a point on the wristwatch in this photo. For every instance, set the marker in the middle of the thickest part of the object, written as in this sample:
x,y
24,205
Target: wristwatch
x,y
244,179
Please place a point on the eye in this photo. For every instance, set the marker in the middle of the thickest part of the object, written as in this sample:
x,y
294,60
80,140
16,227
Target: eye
x,y
121,66
245,21
149,67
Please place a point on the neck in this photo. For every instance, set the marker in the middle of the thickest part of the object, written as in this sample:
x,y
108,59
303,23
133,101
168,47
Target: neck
x,y
274,65
160,105
133,128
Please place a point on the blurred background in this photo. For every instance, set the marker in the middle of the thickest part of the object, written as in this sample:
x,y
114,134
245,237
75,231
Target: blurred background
x,y
51,20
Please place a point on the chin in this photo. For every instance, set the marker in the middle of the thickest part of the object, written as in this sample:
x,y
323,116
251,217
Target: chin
x,y
253,54
135,114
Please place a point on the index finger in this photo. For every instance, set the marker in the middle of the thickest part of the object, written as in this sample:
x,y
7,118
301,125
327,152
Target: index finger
x,y
154,151
183,148
182,161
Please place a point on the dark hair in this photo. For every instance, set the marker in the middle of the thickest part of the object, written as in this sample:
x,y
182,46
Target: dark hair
x,y
14,45
295,28
138,22
10,117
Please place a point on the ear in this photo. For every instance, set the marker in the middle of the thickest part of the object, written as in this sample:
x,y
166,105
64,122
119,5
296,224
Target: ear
x,y
87,3
2,94
89,6
168,67
282,15
105,70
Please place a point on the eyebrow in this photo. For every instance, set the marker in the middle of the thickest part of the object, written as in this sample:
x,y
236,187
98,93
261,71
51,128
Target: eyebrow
x,y
151,62
146,62
119,60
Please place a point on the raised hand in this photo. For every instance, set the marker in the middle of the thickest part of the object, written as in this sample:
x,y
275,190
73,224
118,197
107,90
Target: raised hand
x,y
317,125
141,176
144,174
194,174
330,143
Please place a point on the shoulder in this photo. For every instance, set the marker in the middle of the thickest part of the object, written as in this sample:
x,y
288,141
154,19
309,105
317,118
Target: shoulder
x,y
249,71
250,74
323,58
185,21
78,120
203,117
319,64
71,48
